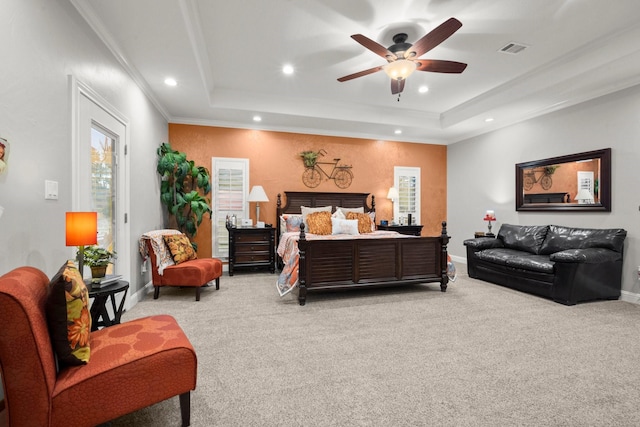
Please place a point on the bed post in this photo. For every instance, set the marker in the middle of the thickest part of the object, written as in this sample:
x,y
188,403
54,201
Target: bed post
x,y
302,267
444,241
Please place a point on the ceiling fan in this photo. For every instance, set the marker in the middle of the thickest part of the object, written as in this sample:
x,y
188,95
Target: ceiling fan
x,y
402,57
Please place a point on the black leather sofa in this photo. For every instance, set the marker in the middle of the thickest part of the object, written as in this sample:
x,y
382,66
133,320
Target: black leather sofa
x,y
568,265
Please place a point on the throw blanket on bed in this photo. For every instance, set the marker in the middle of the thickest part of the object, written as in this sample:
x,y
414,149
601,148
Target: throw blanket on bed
x,y
288,251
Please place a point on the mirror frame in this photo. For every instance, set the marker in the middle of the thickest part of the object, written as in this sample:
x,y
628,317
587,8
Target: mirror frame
x,y
604,184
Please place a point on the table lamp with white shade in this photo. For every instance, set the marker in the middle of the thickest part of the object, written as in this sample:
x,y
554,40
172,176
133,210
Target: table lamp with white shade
x,y
584,197
393,195
258,195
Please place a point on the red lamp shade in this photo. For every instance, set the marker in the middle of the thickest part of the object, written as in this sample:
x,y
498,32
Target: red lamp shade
x,y
82,228
490,216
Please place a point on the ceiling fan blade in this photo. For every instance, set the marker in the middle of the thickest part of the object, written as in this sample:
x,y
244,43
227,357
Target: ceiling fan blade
x,y
433,38
439,66
374,47
397,86
359,74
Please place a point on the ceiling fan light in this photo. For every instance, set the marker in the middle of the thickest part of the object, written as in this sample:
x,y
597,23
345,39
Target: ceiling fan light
x,y
400,69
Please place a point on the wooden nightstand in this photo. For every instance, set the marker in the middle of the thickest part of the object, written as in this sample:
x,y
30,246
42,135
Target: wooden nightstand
x,y
409,230
252,247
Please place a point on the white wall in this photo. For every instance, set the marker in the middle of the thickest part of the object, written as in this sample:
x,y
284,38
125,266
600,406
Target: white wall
x,y
481,173
42,42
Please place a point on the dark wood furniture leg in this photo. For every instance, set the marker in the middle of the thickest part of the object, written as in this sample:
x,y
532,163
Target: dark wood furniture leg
x,y
185,408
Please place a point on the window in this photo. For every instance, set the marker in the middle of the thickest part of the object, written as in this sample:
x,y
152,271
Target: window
x,y
407,181
103,188
230,193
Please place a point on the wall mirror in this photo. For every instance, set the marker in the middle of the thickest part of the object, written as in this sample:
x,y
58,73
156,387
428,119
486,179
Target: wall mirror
x,y
576,182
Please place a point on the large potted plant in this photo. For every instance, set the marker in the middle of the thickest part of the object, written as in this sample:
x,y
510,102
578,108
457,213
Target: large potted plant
x,y
182,190
98,259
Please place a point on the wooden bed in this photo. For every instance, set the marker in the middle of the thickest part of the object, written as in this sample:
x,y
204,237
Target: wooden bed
x,y
357,263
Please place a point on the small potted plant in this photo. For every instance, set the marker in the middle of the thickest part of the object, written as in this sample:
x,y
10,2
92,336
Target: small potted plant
x,y
98,259
309,158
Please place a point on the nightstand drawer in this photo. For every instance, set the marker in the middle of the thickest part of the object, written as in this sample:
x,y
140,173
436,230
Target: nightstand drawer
x,y
253,237
252,247
252,257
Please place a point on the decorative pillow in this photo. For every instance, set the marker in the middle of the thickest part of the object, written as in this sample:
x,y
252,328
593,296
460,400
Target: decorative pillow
x,y
68,316
344,226
364,221
338,214
180,247
319,222
291,223
347,210
306,211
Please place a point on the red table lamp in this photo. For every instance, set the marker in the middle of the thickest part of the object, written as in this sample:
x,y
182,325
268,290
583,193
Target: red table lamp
x,y
490,216
81,230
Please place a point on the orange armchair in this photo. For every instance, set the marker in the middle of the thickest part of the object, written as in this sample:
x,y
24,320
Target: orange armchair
x,y
195,273
132,365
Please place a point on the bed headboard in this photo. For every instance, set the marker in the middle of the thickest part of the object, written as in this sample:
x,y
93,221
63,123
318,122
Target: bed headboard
x,y
295,199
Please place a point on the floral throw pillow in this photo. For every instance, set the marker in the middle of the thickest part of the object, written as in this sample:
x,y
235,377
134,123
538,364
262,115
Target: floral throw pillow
x,y
319,222
292,223
180,248
68,316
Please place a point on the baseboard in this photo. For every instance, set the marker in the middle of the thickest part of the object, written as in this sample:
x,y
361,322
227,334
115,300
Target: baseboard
x,y
138,296
630,297
458,259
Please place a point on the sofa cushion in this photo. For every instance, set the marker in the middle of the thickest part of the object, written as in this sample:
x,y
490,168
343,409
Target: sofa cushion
x,y
499,255
532,262
560,238
528,238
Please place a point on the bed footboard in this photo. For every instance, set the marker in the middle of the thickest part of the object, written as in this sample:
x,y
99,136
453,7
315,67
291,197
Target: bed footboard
x,y
340,264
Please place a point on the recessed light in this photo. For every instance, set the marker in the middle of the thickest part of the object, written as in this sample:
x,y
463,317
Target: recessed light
x,y
257,118
170,81
397,131
287,69
488,119
423,89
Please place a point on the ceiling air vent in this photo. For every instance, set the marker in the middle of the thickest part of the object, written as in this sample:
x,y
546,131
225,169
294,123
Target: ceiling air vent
x,y
513,48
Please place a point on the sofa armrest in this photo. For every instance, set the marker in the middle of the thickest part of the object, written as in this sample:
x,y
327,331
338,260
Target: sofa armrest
x,y
586,256
481,243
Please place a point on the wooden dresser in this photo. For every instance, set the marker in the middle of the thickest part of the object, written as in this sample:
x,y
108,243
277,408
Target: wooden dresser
x,y
252,247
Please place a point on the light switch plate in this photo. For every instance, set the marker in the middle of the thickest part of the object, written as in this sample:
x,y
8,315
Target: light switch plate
x,y
51,190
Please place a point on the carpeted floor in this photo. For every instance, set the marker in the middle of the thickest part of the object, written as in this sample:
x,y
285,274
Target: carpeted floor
x,y
477,355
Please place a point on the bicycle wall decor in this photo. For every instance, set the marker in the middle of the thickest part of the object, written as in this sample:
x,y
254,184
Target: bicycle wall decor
x,y
530,177
313,171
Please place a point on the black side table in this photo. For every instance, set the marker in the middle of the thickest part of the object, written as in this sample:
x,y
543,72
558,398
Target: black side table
x,y
100,295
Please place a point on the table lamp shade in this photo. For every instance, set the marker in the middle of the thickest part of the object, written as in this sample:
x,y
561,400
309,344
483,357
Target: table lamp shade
x,y
393,194
82,228
257,194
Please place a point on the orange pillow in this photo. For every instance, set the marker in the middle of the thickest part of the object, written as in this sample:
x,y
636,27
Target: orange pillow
x,y
180,248
319,222
364,221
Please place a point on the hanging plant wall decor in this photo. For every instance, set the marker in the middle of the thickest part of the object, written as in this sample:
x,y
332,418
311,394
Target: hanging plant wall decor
x,y
313,170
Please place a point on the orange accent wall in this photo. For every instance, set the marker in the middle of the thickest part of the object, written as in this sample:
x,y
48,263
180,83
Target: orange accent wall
x,y
274,163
